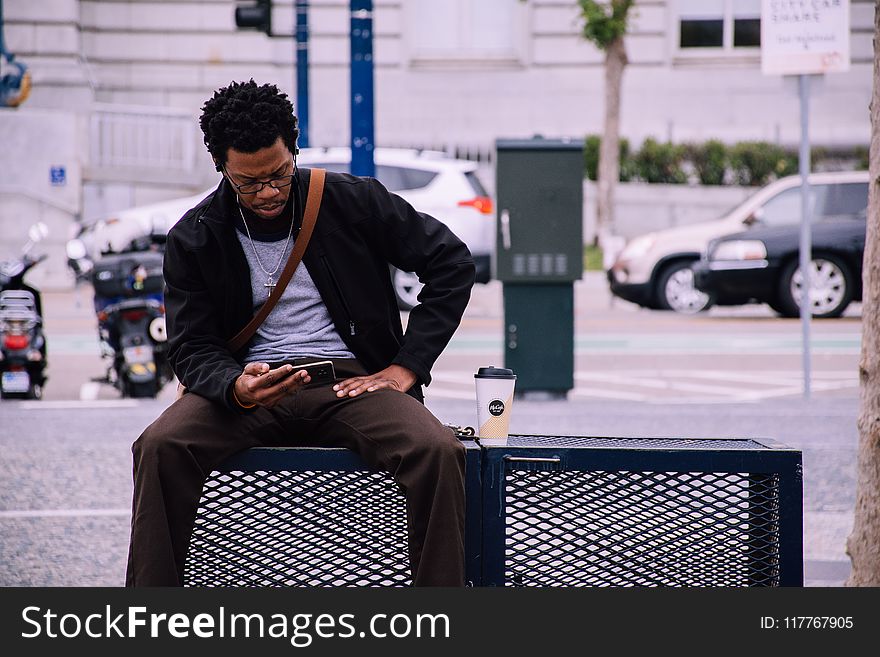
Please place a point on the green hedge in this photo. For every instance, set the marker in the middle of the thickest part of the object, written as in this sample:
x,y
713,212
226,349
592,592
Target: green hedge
x,y
709,161
591,159
713,162
657,162
756,162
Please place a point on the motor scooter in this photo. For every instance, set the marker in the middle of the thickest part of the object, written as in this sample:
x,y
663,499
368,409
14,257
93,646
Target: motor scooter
x,y
131,321
22,341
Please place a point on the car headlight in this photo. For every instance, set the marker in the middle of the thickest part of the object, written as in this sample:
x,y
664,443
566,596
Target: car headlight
x,y
739,250
637,247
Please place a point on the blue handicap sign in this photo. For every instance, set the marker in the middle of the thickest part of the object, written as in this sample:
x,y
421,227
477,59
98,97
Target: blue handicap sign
x,y
57,175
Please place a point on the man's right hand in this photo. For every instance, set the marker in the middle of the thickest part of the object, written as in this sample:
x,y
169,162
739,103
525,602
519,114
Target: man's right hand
x,y
262,386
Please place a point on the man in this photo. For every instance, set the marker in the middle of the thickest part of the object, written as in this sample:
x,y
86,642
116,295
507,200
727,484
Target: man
x,y
220,260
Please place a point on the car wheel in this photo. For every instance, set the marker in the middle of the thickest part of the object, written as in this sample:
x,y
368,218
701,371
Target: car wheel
x,y
676,291
406,288
831,288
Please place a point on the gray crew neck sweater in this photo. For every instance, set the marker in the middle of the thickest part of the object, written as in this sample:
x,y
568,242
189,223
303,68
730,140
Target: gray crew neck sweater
x,y
299,325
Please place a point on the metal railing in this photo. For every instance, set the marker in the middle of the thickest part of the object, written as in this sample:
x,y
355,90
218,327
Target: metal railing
x,y
144,138
483,153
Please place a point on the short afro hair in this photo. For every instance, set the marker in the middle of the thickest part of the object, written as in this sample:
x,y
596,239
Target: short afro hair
x,y
247,117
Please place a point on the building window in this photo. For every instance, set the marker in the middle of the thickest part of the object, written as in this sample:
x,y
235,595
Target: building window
x,y
723,25
462,30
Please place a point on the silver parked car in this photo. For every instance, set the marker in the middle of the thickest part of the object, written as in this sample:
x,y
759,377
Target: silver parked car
x,y
654,270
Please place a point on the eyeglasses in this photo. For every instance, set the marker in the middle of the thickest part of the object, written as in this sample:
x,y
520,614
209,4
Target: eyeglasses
x,y
256,187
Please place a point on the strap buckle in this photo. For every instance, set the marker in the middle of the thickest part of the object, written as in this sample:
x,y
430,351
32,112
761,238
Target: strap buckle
x,y
460,431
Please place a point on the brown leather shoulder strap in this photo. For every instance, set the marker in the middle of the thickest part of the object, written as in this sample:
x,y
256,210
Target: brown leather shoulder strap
x,y
310,217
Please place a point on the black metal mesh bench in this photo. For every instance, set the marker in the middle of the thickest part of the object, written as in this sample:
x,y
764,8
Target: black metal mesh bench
x,y
541,511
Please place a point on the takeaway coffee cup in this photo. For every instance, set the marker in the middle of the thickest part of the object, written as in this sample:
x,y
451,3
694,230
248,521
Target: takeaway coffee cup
x,y
494,398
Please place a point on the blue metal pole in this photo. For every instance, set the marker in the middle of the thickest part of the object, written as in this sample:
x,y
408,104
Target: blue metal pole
x,y
362,139
2,42
302,71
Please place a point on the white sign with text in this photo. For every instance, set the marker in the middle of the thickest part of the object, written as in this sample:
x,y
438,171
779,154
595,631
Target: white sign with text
x,y
804,37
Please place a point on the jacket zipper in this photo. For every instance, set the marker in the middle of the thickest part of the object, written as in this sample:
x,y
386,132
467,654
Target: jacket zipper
x,y
351,327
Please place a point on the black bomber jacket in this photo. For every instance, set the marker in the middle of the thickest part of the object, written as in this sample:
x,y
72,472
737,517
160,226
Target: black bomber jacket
x,y
361,228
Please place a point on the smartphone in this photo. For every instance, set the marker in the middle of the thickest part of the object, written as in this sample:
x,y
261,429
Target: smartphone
x,y
321,371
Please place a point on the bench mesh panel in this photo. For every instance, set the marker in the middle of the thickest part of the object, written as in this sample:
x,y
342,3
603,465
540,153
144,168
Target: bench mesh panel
x,y
634,443
302,528
577,528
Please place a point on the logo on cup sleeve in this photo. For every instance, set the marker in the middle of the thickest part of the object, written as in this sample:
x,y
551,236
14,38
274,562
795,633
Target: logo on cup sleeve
x,y
496,407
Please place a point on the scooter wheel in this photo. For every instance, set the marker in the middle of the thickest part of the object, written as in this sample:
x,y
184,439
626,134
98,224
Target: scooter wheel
x,y
35,392
145,389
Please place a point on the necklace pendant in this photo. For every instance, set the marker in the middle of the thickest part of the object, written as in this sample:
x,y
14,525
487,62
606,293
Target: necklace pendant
x,y
270,284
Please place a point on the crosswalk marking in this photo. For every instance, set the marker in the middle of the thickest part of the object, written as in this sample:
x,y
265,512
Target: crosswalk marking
x,y
672,386
584,392
659,384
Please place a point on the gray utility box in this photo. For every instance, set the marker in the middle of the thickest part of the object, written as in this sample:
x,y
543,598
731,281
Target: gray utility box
x,y
539,190
539,255
539,338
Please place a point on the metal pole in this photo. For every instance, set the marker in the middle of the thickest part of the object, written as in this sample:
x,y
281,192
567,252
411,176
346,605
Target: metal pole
x,y
2,42
362,163
805,246
302,71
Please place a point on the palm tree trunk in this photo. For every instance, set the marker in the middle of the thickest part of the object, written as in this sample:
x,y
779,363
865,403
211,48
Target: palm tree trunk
x,y
863,544
609,151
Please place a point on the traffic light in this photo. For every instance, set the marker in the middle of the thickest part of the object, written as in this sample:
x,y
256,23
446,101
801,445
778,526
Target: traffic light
x,y
256,15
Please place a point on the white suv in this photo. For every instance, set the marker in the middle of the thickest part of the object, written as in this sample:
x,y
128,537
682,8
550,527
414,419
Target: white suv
x,y
445,188
654,270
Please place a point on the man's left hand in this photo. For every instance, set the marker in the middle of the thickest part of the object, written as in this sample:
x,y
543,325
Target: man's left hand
x,y
395,377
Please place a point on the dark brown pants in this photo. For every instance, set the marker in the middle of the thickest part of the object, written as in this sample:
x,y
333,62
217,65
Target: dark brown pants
x,y
388,429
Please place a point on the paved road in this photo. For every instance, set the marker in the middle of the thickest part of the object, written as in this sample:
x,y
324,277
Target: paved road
x,y
622,352
65,472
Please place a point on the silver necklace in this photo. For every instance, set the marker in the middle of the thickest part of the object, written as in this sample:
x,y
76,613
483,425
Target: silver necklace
x,y
270,283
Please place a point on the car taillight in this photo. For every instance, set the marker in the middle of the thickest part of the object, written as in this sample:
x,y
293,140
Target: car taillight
x,y
134,315
482,204
15,341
